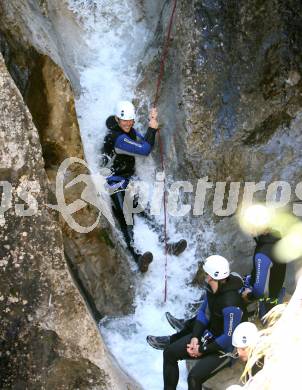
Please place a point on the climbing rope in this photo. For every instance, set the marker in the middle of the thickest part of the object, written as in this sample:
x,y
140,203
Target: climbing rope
x,y
161,150
164,56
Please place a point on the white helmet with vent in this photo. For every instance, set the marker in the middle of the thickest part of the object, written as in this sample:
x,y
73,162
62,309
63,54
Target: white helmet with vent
x,y
217,267
245,335
125,110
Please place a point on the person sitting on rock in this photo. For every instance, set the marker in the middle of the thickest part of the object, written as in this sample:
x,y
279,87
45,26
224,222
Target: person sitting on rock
x,y
217,318
245,337
122,144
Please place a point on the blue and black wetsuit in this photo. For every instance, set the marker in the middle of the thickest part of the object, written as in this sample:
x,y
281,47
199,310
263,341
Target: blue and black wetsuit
x,y
268,275
122,148
216,320
119,150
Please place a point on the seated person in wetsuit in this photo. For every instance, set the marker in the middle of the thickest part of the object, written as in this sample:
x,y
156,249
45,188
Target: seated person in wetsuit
x,y
211,336
244,338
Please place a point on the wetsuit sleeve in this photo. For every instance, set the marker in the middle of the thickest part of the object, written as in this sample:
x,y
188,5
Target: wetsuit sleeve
x,y
231,318
106,151
126,145
247,281
201,321
262,266
108,145
139,135
149,137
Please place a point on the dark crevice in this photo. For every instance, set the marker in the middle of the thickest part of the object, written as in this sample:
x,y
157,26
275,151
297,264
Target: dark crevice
x,y
264,131
25,65
89,301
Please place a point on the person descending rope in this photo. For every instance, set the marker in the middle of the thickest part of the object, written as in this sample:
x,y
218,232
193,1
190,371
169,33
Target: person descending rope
x,y
122,144
218,316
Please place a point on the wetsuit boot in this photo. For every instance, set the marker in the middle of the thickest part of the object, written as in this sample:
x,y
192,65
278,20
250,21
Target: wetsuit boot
x,y
158,342
176,323
176,248
142,260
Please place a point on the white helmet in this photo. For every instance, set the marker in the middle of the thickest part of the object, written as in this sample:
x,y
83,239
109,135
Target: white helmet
x,y
125,110
217,267
245,335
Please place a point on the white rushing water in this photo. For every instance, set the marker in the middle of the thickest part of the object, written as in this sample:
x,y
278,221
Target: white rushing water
x,y
116,36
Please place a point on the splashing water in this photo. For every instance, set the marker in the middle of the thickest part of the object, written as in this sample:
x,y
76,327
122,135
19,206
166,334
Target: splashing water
x,y
116,37
115,40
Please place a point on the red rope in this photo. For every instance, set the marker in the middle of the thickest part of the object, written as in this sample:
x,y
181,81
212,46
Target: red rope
x,y
164,56
157,95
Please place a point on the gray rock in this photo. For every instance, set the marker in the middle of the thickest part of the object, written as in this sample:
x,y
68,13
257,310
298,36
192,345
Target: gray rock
x,y
45,326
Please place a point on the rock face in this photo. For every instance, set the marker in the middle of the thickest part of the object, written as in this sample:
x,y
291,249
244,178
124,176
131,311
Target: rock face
x,y
231,102
45,327
97,263
94,258
240,84
40,24
94,261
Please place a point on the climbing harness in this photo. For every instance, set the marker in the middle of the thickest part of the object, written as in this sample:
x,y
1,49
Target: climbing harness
x,y
157,95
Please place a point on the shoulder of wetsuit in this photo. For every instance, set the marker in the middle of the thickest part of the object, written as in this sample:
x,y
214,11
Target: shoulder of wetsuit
x,y
229,292
265,245
233,282
258,366
270,238
111,123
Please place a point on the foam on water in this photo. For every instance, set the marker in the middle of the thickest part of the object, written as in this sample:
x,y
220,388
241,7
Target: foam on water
x,y
115,40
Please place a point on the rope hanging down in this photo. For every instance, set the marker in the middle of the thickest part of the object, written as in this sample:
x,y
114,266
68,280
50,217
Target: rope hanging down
x,y
157,95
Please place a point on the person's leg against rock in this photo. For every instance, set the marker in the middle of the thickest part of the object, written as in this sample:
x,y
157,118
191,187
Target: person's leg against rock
x,y
117,208
142,260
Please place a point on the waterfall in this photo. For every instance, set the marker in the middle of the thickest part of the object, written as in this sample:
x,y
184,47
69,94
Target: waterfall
x,y
114,37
